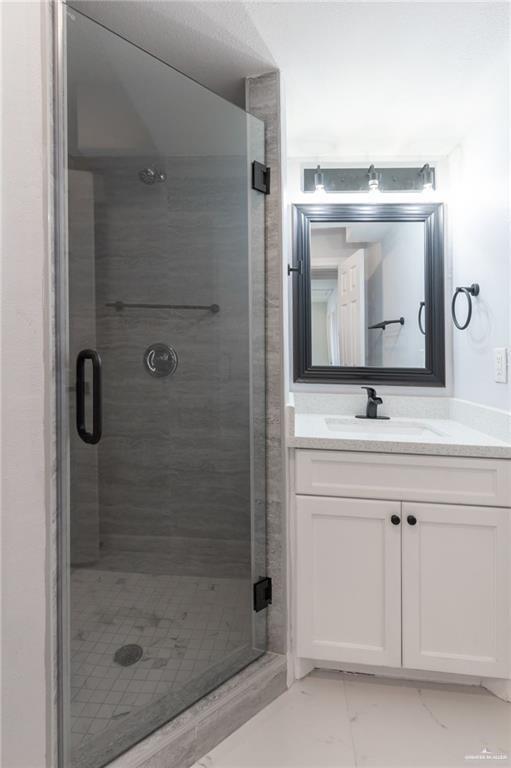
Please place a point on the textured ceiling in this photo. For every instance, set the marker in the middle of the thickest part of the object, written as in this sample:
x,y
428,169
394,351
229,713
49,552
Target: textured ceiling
x,y
378,79
383,79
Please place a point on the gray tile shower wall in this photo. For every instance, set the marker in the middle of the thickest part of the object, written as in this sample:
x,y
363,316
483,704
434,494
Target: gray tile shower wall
x,y
174,457
84,502
263,101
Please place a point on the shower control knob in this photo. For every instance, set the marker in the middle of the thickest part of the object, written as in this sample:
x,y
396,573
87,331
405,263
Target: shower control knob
x,y
160,360
411,520
395,519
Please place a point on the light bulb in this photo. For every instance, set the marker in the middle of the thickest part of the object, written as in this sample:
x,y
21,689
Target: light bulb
x,y
318,180
374,181
427,177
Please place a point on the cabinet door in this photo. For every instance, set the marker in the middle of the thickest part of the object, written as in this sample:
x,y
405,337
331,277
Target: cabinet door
x,y
348,580
456,589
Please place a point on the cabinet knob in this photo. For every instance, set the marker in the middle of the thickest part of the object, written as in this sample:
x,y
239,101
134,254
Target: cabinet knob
x,y
411,519
395,519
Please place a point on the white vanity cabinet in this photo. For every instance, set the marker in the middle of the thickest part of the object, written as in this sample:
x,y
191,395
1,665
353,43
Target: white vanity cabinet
x,y
400,571
455,567
349,580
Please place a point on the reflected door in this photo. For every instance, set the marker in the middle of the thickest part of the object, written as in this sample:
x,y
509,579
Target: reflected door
x,y
352,316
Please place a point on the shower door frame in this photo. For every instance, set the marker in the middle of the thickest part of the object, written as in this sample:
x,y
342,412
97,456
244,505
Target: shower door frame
x,y
61,328
61,704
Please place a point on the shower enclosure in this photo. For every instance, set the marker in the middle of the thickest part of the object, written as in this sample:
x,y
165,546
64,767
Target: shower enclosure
x,y
160,288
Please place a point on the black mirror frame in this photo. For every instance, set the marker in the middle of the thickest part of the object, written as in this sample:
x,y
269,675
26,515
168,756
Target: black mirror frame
x,y
431,214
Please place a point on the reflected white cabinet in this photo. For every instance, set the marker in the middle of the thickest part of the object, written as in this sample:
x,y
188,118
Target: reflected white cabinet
x,y
456,592
349,580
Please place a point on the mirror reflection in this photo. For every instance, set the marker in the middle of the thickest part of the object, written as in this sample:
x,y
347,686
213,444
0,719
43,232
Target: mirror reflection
x,y
367,294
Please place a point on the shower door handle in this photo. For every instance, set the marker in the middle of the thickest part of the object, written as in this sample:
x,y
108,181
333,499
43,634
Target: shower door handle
x,y
97,416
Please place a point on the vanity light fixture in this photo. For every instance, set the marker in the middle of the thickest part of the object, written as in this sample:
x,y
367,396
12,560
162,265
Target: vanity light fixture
x,y
427,177
385,180
319,180
374,179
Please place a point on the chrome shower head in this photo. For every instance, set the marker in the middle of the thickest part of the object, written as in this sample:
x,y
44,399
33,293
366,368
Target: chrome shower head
x,y
151,175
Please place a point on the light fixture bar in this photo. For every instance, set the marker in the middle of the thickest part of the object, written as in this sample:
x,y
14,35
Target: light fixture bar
x,y
356,179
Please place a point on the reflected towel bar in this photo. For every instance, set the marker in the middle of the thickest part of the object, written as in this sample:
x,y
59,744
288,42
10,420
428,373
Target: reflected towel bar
x,y
384,324
419,317
120,305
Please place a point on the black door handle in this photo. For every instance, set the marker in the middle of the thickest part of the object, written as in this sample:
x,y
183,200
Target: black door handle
x,y
411,519
97,416
395,519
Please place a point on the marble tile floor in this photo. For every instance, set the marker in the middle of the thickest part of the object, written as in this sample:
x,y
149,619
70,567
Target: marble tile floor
x,y
184,624
331,719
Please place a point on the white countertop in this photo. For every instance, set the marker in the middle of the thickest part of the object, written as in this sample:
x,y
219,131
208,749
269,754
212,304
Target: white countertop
x,y
445,437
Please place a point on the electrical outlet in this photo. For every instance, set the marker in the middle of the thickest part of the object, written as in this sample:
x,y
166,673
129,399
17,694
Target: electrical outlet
x,y
500,364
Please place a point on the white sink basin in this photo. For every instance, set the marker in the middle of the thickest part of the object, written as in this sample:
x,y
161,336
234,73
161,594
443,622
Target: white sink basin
x,y
381,428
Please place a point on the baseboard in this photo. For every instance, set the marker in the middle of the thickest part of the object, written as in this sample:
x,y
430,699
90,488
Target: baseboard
x,y
397,673
196,731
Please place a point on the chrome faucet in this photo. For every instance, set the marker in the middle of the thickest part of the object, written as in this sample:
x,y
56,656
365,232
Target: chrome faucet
x,y
373,401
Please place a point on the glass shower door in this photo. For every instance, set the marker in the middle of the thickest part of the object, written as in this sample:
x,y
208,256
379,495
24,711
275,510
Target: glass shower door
x,y
165,360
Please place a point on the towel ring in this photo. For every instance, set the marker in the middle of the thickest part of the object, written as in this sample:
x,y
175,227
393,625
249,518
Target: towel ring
x,y
470,291
419,317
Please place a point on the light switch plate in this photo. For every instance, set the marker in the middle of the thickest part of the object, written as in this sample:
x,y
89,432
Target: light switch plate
x,y
500,364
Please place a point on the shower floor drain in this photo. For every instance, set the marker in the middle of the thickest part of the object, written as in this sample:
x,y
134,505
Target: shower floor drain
x,y
127,655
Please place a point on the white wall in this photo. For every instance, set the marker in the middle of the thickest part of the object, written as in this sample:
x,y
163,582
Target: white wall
x,y
479,168
474,183
25,390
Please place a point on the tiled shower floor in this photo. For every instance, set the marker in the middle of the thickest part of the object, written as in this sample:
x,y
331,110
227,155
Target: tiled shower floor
x,y
184,624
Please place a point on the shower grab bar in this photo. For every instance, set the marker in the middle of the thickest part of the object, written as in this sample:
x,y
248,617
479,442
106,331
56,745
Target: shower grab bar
x,y
97,414
120,305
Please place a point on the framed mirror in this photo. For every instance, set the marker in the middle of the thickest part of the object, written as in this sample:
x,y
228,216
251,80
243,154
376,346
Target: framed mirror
x,y
368,294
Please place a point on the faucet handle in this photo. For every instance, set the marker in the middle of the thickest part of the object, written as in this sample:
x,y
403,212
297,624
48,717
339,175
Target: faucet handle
x,y
371,395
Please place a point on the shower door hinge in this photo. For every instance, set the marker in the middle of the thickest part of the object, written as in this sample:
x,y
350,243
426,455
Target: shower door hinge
x,y
297,268
262,594
260,177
